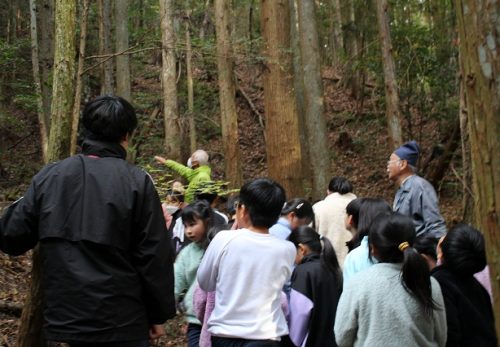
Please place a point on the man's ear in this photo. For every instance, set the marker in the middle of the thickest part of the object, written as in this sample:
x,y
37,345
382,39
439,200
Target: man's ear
x,y
403,164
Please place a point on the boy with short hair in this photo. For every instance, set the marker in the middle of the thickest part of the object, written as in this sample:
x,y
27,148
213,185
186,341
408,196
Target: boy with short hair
x,y
248,268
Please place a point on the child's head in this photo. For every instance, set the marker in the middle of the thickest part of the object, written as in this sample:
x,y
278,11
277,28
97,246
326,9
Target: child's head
x,y
298,212
426,245
197,219
369,209
352,214
339,185
462,250
261,201
391,239
308,241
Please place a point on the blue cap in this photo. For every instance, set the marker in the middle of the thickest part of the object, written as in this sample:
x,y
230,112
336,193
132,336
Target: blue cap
x,y
410,152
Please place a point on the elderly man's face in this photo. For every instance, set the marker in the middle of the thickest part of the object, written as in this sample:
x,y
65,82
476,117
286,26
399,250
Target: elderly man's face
x,y
393,166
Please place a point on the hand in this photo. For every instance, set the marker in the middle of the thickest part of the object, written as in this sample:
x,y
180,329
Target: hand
x,y
156,331
160,160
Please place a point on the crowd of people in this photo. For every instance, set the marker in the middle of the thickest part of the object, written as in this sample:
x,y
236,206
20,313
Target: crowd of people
x,y
263,270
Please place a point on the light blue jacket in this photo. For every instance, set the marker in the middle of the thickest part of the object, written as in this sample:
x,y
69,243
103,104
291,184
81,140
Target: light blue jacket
x,y
357,260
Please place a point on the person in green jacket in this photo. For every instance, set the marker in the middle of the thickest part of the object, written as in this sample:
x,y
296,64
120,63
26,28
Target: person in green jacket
x,y
196,172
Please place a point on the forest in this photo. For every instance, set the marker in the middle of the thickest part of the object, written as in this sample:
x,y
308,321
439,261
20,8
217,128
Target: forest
x,y
296,90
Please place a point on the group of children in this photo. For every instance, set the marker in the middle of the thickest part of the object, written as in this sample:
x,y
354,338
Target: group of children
x,y
268,278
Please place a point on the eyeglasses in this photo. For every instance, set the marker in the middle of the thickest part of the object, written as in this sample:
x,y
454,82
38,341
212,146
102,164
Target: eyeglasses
x,y
393,161
237,204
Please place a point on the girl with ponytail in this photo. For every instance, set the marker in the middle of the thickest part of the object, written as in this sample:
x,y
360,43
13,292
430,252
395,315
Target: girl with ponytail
x,y
395,294
315,291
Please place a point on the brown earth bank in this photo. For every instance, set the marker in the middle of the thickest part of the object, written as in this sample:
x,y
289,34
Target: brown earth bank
x,y
358,147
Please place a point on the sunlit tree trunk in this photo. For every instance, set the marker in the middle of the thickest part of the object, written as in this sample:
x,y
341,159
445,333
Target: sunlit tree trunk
x,y
282,131
37,81
79,75
393,112
479,30
105,46
121,42
170,109
315,124
229,118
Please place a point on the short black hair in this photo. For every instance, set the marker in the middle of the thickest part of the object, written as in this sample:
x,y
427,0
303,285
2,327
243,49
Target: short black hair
x,y
463,250
426,244
109,118
340,185
264,199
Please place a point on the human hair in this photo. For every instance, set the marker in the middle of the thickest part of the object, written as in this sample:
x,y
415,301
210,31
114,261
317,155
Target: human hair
x,y
207,191
308,236
109,118
463,250
340,185
214,230
352,209
263,198
392,236
301,207
368,210
200,156
426,244
199,210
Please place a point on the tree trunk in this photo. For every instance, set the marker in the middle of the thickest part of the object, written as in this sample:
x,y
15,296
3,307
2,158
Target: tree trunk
x,y
337,39
352,45
46,54
105,46
393,112
79,73
190,92
206,21
121,42
282,132
170,110
30,329
36,78
229,118
313,95
479,30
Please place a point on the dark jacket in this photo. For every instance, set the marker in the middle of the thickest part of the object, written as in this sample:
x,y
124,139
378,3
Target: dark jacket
x,y
106,259
469,313
313,302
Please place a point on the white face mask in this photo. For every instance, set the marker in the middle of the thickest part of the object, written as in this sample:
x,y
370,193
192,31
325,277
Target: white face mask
x,y
189,163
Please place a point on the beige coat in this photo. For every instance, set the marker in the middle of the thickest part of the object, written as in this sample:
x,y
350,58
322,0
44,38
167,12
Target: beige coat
x,y
330,221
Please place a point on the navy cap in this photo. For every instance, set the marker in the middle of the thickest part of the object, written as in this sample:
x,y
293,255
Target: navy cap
x,y
410,152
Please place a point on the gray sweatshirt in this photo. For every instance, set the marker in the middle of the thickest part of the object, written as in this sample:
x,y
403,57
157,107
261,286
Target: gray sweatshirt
x,y
375,310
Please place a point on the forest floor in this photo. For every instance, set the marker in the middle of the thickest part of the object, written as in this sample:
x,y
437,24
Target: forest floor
x,y
358,147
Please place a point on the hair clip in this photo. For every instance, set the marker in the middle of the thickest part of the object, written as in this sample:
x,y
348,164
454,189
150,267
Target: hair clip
x,y
299,206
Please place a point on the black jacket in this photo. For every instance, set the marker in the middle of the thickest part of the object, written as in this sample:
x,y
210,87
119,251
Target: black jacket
x,y
107,271
469,313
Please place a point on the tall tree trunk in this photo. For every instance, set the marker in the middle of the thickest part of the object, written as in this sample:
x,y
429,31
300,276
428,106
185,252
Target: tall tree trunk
x,y
206,20
353,47
46,54
229,118
170,110
313,95
30,329
105,46
479,31
79,77
337,38
393,112
282,132
189,77
121,42
36,78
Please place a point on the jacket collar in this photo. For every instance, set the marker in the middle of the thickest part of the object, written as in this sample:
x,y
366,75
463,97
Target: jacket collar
x,y
310,257
103,149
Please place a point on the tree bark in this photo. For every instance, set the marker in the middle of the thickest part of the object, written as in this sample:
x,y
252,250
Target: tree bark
x,y
189,80
105,47
36,78
170,109
46,54
479,31
282,132
337,38
79,77
121,42
393,111
229,118
315,123
353,47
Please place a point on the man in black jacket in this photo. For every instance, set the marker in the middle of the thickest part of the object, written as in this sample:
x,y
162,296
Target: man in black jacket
x,y
107,273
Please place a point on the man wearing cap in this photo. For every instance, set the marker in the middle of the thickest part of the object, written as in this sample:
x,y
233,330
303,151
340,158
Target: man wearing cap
x,y
415,197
